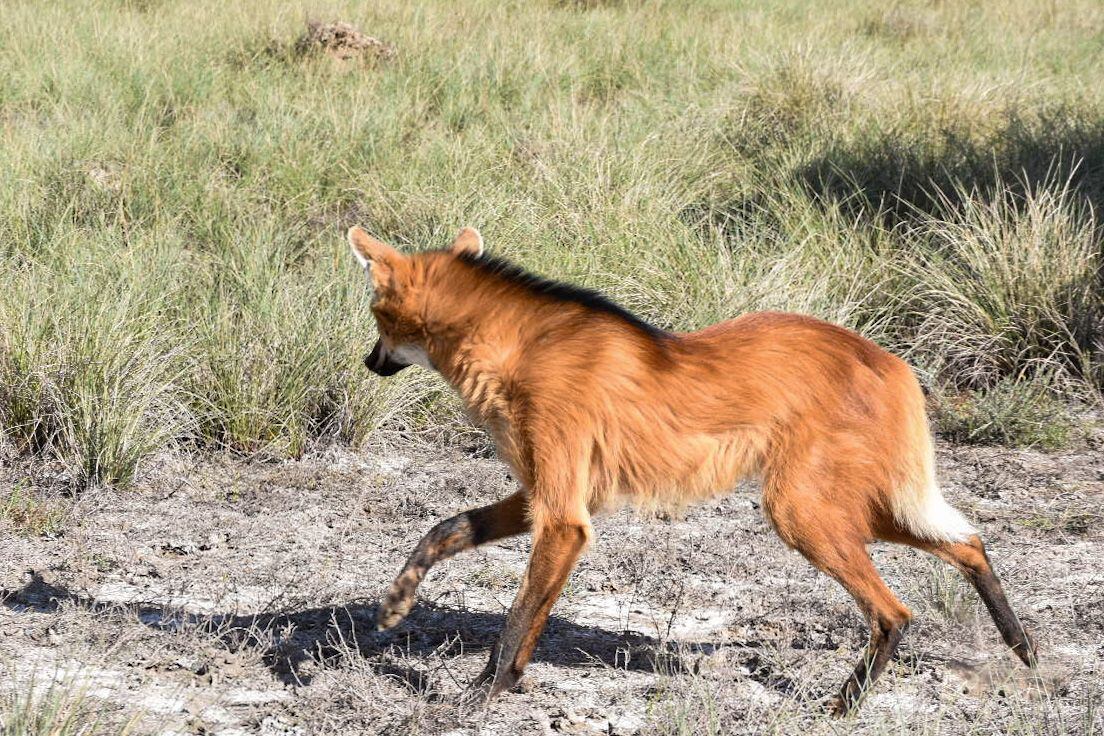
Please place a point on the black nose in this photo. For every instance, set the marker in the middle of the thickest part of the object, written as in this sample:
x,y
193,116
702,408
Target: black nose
x,y
381,364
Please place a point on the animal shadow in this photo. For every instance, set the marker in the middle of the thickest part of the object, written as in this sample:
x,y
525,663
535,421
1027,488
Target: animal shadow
x,y
295,644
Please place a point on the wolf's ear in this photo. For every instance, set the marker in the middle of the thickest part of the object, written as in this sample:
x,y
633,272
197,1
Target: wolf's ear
x,y
467,243
378,257
368,250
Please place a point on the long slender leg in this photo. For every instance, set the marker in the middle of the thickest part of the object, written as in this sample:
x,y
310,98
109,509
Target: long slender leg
x,y
556,547
971,560
847,561
885,636
834,541
456,534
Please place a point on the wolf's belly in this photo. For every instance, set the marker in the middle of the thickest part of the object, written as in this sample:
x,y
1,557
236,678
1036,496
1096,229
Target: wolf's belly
x,y
684,470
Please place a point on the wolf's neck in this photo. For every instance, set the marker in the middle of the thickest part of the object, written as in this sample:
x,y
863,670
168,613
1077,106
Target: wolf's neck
x,y
479,362
479,374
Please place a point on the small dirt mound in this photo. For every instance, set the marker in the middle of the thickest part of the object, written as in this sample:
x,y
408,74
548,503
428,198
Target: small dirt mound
x,y
341,41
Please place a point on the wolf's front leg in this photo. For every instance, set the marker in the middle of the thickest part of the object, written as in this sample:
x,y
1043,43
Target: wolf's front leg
x,y
556,547
456,534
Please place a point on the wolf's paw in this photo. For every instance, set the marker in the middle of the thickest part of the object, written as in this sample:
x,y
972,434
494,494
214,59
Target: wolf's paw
x,y
837,707
1028,650
475,695
394,607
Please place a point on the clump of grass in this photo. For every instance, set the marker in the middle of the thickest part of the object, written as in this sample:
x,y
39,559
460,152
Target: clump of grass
x,y
945,591
798,99
690,709
31,515
267,368
1012,412
89,379
1007,287
59,709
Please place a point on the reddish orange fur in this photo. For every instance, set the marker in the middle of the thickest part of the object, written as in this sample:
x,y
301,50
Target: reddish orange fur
x,y
590,409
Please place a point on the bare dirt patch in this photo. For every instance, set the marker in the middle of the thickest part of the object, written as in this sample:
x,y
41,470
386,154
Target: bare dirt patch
x,y
222,597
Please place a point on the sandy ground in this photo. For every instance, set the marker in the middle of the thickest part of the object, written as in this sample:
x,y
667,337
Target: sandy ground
x,y
221,597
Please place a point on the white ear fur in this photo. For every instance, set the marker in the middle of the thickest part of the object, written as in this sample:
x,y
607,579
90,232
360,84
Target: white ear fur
x,y
477,250
468,242
351,236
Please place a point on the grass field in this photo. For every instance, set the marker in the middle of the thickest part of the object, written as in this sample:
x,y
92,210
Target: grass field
x,y
176,179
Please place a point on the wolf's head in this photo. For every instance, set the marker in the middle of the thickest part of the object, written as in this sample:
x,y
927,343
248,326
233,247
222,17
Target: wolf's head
x,y
401,297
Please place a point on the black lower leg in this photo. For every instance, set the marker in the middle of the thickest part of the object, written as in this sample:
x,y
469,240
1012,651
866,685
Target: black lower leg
x,y
1012,631
449,537
884,640
971,559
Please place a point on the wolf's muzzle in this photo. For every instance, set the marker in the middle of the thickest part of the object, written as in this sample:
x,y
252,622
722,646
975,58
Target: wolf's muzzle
x,y
381,363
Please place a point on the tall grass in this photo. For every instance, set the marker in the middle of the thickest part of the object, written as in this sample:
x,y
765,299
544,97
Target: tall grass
x,y
57,709
176,179
1008,286
87,375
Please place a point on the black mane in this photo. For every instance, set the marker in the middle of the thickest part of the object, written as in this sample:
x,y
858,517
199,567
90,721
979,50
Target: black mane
x,y
558,290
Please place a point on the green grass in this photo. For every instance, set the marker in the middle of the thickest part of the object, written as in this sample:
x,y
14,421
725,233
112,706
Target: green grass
x,y
1016,413
177,178
947,595
56,709
30,514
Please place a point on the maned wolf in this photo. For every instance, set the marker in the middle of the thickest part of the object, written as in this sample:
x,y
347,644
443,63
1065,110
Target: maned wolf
x,y
589,406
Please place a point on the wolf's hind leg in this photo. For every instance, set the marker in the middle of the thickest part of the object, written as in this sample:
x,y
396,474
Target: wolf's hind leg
x,y
887,616
828,539
456,534
969,558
